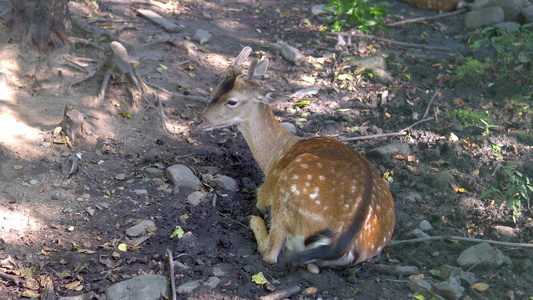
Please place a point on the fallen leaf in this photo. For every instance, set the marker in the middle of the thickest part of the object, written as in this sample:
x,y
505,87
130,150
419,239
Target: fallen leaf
x,y
480,286
414,170
73,285
120,176
259,278
42,189
30,294
17,167
123,247
177,232
475,172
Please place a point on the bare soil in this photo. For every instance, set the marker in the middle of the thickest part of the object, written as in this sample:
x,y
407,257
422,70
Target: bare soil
x,y
48,220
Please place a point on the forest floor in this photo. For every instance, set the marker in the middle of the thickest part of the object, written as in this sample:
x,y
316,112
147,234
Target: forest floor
x,y
68,228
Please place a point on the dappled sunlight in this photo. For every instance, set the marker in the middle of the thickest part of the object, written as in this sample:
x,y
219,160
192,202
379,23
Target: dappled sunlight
x,y
15,131
8,66
14,225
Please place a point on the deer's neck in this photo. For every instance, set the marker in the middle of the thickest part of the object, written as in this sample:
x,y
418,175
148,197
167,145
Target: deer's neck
x,y
267,139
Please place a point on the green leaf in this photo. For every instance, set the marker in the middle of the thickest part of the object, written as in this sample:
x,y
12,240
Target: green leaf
x,y
259,278
177,232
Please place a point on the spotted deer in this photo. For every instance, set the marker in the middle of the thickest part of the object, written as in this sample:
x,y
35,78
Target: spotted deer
x,y
446,5
328,204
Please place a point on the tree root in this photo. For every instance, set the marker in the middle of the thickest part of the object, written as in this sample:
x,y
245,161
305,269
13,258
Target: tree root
x,y
459,238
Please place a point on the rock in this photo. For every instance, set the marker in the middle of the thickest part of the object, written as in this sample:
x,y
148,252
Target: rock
x,y
390,149
188,287
144,287
527,15
506,233
201,36
141,192
483,256
399,271
370,62
511,8
508,27
413,197
450,289
416,234
467,279
182,177
90,211
289,127
212,282
484,17
155,171
418,285
446,272
195,198
291,54
425,225
140,229
88,296
225,182
441,180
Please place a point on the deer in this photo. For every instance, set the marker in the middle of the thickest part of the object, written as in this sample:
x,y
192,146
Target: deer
x,y
328,204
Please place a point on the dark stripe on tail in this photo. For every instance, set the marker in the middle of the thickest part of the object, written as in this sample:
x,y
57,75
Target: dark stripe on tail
x,y
336,251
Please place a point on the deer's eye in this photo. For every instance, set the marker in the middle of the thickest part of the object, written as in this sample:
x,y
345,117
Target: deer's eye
x,y
231,103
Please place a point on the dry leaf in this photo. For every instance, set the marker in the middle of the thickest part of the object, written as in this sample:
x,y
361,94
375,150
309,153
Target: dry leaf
x,y
399,156
120,176
475,172
30,294
73,285
411,158
414,170
17,167
480,286
42,189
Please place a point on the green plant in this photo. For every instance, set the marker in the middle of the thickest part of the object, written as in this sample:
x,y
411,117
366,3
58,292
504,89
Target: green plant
x,y
362,14
513,190
497,150
469,117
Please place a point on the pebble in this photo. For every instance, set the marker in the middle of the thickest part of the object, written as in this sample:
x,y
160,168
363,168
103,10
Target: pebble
x,y
182,177
155,171
289,127
90,211
225,182
291,54
33,181
425,225
391,149
146,287
482,256
141,228
313,269
141,192
195,198
399,271
450,289
201,36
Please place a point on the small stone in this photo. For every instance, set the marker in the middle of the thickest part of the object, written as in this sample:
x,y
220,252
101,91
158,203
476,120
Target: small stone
x,y
68,210
289,127
418,285
141,228
201,36
70,228
33,181
146,287
425,226
188,287
182,177
90,211
291,54
318,10
416,234
212,282
446,272
195,198
217,271
391,149
225,182
482,256
140,191
313,269
155,171
450,290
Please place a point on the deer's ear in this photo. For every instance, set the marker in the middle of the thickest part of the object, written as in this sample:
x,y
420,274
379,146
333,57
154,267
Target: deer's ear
x,y
261,68
271,97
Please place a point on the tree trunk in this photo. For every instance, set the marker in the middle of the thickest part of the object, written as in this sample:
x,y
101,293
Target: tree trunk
x,y
41,23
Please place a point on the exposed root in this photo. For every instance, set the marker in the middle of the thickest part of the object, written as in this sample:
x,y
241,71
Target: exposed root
x,y
459,238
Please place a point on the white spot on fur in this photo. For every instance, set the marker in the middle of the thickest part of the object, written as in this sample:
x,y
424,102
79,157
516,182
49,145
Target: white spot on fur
x,y
295,177
305,166
321,177
316,191
317,202
309,177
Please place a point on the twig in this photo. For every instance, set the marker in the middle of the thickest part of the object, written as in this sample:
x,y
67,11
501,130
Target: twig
x,y
172,279
184,97
427,18
75,40
460,238
281,294
400,132
13,279
163,123
408,45
225,216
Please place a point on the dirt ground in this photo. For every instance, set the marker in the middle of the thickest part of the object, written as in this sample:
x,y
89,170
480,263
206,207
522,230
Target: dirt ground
x,y
69,227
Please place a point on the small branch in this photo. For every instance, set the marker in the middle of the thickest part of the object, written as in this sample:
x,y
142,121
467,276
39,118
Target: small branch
x,y
459,238
75,40
13,279
427,18
172,279
225,216
400,132
281,294
408,45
